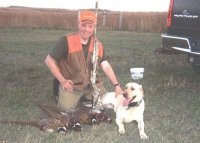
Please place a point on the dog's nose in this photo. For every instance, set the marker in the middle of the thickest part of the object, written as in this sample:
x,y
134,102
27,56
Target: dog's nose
x,y
125,94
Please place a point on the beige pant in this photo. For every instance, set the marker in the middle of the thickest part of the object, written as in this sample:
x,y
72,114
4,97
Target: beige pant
x,y
69,100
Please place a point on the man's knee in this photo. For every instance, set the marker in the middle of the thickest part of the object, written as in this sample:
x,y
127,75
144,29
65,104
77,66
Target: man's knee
x,y
68,100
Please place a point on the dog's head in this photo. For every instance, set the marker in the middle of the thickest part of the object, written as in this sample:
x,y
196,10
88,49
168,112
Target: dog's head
x,y
132,92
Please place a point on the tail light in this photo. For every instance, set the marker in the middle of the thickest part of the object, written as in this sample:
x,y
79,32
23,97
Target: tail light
x,y
169,16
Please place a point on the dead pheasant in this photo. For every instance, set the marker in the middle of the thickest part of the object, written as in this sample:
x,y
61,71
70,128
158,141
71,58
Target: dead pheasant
x,y
61,123
86,115
56,123
83,114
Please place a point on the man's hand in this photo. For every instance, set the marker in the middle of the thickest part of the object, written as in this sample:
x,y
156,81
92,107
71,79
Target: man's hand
x,y
118,90
67,85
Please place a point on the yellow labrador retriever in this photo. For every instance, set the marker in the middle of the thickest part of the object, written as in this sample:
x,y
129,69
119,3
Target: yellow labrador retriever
x,y
128,107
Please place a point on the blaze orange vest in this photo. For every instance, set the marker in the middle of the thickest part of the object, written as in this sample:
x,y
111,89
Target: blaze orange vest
x,y
76,67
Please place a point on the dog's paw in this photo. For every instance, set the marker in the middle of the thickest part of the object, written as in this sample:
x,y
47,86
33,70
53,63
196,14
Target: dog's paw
x,y
144,136
122,132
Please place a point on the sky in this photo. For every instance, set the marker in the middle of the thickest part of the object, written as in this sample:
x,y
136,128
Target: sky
x,y
116,5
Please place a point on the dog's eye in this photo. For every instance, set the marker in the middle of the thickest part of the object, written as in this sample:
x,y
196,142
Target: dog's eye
x,y
132,88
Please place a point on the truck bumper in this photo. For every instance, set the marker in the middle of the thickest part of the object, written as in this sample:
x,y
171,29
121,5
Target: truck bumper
x,y
190,45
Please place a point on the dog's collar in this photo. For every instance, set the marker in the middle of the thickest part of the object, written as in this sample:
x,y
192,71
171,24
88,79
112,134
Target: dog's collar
x,y
134,104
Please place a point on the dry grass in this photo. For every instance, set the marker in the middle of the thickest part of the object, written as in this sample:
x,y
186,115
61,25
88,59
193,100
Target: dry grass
x,y
67,19
171,88
38,18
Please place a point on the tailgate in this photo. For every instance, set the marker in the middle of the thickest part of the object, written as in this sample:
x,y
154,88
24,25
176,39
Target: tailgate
x,y
186,14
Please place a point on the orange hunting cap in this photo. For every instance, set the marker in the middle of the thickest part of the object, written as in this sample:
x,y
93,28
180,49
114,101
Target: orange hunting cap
x,y
87,16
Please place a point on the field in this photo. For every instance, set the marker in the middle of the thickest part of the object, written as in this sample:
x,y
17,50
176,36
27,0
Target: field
x,y
24,17
171,88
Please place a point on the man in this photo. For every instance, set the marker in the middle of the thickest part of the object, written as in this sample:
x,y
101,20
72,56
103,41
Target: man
x,y
70,63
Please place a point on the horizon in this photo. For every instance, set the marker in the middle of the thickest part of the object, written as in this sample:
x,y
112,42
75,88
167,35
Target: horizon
x,y
119,5
67,9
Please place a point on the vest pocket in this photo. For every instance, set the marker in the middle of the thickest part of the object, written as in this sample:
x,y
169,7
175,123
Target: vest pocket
x,y
81,80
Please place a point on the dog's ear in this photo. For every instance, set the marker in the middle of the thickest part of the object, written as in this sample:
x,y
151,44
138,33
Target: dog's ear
x,y
142,91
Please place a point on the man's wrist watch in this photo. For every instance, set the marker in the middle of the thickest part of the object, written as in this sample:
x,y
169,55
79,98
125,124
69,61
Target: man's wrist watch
x,y
117,84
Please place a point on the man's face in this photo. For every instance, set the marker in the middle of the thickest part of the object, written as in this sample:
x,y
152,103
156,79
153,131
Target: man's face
x,y
86,29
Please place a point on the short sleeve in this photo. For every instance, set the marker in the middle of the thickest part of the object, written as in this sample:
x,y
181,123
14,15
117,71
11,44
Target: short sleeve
x,y
60,50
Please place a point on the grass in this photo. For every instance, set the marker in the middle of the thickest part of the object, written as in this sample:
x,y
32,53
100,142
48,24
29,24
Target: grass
x,y
171,88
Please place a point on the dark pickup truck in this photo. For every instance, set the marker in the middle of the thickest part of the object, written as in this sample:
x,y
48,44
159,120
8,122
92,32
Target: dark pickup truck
x,y
183,29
